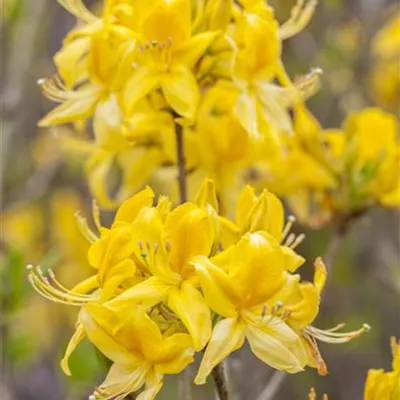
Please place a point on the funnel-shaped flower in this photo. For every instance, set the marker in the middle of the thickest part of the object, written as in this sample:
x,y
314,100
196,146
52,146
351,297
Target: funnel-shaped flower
x,y
237,284
140,352
166,247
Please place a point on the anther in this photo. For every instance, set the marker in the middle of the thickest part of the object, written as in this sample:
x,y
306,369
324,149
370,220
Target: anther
x,y
154,43
317,71
41,81
156,247
168,246
29,267
148,246
366,327
298,240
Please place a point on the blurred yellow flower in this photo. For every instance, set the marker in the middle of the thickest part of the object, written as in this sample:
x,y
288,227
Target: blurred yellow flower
x,y
140,351
236,285
385,385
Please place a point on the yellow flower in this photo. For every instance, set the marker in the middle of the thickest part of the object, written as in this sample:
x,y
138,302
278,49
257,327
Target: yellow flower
x,y
299,305
384,77
166,246
262,213
111,254
257,61
313,396
237,284
369,154
140,351
385,385
166,52
223,146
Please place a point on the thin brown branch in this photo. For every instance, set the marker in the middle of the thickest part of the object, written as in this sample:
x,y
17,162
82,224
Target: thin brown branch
x,y
274,384
221,381
180,153
333,248
185,389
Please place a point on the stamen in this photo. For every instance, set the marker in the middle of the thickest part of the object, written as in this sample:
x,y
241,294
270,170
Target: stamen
x,y
78,9
84,228
288,226
332,336
309,84
96,215
290,239
297,241
300,16
58,294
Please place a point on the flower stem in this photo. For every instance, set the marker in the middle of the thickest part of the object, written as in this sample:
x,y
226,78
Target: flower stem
x,y
180,156
333,247
221,381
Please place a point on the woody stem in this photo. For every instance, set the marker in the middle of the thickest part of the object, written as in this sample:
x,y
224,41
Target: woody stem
x,y
180,157
221,381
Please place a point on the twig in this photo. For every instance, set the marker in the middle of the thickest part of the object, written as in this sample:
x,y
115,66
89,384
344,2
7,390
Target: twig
x,y
185,390
221,381
274,384
332,250
180,153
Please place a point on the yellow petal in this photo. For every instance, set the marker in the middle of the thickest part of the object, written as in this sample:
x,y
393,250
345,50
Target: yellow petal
x,y
292,260
115,246
154,382
189,305
70,61
229,232
103,340
141,83
149,292
175,354
246,111
123,379
320,274
77,337
207,195
216,286
138,165
97,170
275,101
130,208
115,276
257,267
181,91
80,106
227,336
272,351
87,286
190,52
245,203
189,229
169,21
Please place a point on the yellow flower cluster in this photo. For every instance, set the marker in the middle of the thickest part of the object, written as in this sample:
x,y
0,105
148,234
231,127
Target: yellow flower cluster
x,y
340,173
130,75
173,281
385,385
384,76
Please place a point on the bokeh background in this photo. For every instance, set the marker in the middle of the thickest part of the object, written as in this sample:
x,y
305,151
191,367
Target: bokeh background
x,y
42,188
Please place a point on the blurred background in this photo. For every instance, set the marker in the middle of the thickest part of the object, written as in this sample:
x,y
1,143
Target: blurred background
x,y
42,189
